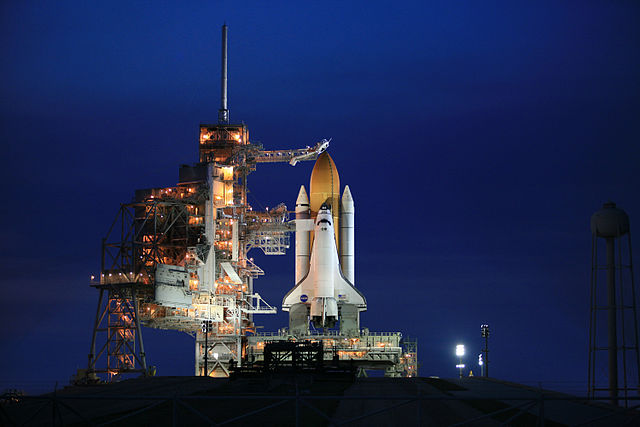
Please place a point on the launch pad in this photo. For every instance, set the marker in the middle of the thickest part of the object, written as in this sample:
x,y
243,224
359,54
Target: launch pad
x,y
177,258
380,351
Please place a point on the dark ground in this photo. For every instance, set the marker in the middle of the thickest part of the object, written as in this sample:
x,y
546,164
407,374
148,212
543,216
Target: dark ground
x,y
312,400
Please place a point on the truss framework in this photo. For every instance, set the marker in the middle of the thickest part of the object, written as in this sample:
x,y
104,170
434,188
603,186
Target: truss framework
x,y
152,231
117,317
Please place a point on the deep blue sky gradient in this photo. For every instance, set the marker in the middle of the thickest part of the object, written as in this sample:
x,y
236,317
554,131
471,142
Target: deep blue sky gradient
x,y
477,139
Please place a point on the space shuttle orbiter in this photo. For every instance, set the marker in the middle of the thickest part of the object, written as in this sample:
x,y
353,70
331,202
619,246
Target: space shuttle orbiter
x,y
324,292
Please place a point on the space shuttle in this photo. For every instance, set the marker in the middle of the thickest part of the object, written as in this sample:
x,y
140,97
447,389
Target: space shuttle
x,y
324,293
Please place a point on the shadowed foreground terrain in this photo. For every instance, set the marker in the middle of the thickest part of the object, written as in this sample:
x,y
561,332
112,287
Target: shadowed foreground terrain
x,y
310,400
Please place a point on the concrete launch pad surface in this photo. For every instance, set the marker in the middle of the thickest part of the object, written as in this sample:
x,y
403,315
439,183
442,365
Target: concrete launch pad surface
x,y
309,400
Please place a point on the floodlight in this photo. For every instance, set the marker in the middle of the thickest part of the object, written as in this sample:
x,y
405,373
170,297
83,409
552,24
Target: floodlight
x,y
484,330
460,350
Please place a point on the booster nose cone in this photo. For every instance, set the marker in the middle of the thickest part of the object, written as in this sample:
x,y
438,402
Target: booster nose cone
x,y
347,200
303,199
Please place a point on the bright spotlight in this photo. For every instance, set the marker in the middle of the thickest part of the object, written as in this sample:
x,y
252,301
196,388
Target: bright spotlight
x,y
460,350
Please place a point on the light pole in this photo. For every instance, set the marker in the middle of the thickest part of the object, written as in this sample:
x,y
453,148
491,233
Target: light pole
x,y
484,331
206,328
460,353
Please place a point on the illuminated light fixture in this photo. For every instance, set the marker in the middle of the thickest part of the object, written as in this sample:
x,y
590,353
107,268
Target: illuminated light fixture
x,y
484,331
480,362
460,353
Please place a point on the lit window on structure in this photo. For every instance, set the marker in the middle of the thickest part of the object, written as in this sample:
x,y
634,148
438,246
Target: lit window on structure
x,y
227,173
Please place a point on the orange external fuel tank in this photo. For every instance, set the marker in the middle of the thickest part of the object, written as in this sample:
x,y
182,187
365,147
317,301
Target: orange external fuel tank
x,y
325,188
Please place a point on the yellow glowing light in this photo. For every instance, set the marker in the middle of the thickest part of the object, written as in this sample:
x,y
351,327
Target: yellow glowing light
x,y
227,172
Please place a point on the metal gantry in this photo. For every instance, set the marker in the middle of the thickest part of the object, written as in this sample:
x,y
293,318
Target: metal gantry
x,y
409,359
177,256
117,318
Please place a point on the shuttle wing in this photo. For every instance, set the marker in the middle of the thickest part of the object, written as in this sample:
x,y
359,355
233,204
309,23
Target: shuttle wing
x,y
346,293
324,287
298,294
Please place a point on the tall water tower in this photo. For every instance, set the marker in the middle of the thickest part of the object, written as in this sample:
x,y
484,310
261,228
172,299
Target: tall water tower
x,y
613,327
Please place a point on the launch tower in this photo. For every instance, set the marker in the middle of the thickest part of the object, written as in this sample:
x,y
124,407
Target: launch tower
x,y
176,257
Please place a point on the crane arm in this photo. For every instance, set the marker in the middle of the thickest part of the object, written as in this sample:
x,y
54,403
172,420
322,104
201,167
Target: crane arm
x,y
292,156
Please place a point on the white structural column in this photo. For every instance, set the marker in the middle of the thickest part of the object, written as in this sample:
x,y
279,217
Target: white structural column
x,y
302,236
347,236
208,281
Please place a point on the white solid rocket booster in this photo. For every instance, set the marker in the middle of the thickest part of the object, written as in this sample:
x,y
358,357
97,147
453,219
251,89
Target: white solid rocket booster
x,y
347,241
302,236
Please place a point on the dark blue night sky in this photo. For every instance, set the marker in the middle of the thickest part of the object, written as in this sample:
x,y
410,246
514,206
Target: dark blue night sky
x,y
477,139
